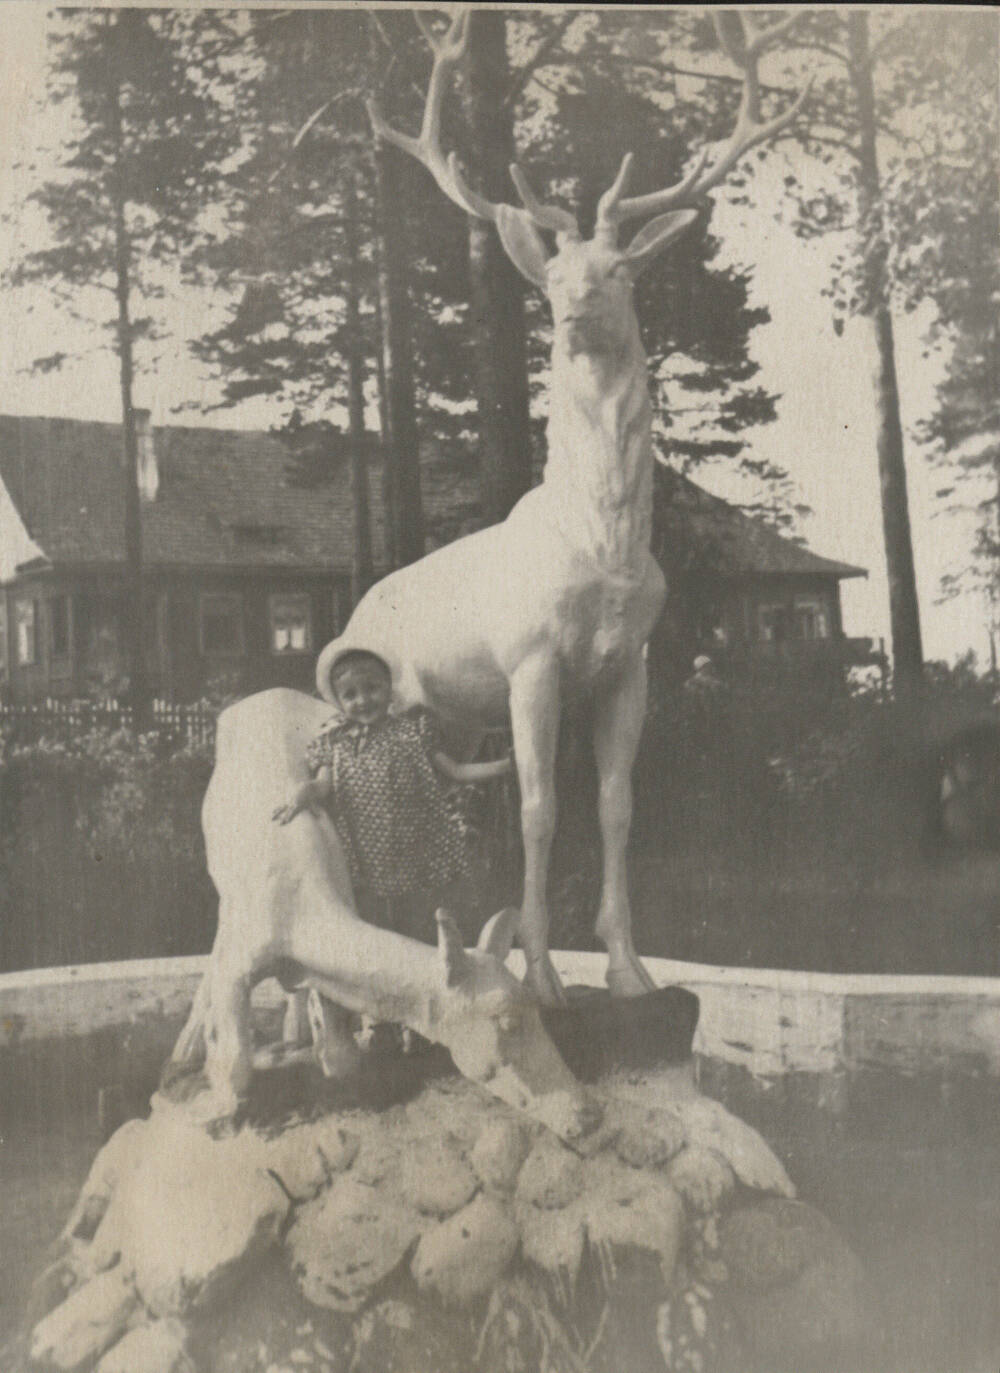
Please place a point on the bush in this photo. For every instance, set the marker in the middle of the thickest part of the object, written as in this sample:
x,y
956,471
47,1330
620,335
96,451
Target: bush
x,y
779,828
101,854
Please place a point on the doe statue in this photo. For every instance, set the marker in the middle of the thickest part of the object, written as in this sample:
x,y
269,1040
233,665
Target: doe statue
x,y
557,602
287,910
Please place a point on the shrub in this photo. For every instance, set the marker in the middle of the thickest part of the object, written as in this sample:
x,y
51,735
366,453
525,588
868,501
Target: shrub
x,y
101,855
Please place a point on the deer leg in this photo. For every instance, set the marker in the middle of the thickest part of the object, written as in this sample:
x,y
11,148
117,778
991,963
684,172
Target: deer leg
x,y
295,1027
228,1057
336,1047
534,713
617,727
190,1044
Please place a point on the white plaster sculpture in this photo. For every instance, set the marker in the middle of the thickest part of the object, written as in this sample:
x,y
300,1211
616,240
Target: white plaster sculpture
x,y
559,600
286,909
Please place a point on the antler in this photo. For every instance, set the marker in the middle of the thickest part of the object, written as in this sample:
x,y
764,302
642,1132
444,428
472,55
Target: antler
x,y
449,49
748,131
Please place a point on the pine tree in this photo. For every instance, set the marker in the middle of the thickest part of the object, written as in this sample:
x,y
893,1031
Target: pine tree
x,y
865,82
132,177
944,243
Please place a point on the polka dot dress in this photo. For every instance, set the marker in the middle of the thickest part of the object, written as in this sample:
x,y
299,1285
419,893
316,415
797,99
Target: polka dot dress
x,y
389,805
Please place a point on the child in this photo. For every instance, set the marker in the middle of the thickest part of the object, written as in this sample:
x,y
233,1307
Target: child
x,y
381,775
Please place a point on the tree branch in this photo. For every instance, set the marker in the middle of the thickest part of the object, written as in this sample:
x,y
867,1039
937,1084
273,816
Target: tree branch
x,y
227,46
552,90
814,45
875,51
524,75
394,51
670,69
810,137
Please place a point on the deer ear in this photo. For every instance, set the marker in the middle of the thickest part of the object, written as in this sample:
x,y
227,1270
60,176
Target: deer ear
x,y
522,242
451,949
653,237
498,933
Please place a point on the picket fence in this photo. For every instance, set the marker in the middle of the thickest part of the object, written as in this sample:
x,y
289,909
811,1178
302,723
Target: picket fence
x,y
28,723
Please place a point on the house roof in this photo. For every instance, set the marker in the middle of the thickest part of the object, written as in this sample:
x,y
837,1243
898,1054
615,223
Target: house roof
x,y
224,497
741,544
225,500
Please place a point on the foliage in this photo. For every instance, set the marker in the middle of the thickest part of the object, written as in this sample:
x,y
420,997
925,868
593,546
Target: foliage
x,y
300,108
946,219
102,854
928,236
158,163
783,828
284,241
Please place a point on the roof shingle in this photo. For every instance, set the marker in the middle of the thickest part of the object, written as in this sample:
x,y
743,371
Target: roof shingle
x,y
742,544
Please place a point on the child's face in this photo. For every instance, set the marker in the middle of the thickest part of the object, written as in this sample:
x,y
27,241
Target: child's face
x,y
363,691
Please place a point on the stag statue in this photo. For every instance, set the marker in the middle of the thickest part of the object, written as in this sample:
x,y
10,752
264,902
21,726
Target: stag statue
x,y
557,602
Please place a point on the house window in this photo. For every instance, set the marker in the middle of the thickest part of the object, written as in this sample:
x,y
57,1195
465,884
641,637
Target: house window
x,y
59,626
291,624
27,632
221,625
773,621
811,620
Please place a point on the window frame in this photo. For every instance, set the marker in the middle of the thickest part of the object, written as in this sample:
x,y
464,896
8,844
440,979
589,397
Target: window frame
x,y
765,608
820,611
22,604
235,600
278,597
60,655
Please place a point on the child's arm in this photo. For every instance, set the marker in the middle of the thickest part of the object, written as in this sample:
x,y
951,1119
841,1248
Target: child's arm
x,y
471,772
308,795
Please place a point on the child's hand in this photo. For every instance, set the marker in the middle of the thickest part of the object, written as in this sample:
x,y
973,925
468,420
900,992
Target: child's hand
x,y
286,812
302,800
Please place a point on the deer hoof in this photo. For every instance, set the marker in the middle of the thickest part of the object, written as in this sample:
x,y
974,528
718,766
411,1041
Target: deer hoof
x,y
542,980
338,1059
627,977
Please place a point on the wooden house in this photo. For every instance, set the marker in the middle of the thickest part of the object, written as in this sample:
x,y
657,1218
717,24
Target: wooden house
x,y
247,574
756,601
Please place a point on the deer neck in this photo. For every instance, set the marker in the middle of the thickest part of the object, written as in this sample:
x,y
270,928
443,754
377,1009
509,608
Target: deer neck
x,y
383,974
599,471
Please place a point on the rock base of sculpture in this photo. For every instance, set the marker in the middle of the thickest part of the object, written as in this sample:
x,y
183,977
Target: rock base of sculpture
x,y
434,1230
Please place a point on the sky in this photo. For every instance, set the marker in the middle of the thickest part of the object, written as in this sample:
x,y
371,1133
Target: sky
x,y
824,435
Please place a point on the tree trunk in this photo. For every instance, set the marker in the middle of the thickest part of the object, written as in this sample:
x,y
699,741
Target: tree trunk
x,y
496,288
907,650
404,516
383,427
362,570
404,513
133,618
390,464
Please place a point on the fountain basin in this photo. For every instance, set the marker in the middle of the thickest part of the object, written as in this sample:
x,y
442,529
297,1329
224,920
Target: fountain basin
x,y
824,1031
877,1093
